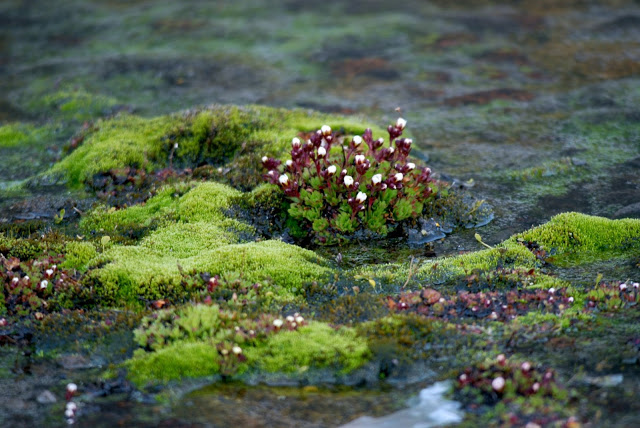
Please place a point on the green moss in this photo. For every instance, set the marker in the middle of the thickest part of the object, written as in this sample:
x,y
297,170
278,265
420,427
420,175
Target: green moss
x,y
578,238
13,135
78,105
203,239
78,255
211,136
314,346
570,238
178,361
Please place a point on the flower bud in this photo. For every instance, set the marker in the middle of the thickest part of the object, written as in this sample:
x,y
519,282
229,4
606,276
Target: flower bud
x,y
361,197
348,180
284,179
332,169
322,151
277,323
411,166
264,159
498,384
526,366
376,179
399,176
72,387
326,130
391,150
401,123
360,159
295,143
289,163
357,140
408,142
43,284
236,350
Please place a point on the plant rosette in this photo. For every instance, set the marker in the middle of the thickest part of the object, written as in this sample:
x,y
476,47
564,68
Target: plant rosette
x,y
337,187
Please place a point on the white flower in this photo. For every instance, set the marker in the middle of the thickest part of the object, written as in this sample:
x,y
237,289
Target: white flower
x,y
26,278
501,359
44,284
623,286
326,130
408,141
175,146
498,384
289,162
361,197
360,159
322,151
277,323
294,325
552,290
526,366
284,179
376,179
344,171
71,406
68,413
570,299
399,176
463,377
49,272
290,318
391,150
264,158
72,387
295,143
15,280
332,169
299,319
54,266
236,350
357,140
401,123
348,180
411,166
381,140
635,285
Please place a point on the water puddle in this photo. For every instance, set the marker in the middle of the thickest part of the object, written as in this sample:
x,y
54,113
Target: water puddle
x,y
432,410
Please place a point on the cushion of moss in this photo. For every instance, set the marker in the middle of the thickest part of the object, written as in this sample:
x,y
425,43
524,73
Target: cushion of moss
x,y
177,361
139,270
316,345
204,202
14,134
580,238
211,135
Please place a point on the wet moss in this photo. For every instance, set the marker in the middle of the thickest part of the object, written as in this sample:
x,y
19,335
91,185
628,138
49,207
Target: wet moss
x,y
314,346
14,134
178,361
74,104
210,136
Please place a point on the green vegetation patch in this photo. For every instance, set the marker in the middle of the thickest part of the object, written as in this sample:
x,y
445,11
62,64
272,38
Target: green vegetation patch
x,y
232,342
210,136
574,238
201,238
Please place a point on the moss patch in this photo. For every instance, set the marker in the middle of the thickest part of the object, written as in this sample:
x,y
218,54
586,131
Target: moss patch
x,y
210,136
201,239
314,346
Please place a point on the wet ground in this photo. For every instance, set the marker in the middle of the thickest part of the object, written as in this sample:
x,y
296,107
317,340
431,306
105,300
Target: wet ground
x,y
531,105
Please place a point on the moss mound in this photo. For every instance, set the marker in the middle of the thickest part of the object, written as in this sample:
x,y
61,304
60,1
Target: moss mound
x,y
211,136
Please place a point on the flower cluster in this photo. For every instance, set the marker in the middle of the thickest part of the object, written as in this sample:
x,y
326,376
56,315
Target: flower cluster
x,y
492,305
613,297
35,287
501,377
338,185
516,382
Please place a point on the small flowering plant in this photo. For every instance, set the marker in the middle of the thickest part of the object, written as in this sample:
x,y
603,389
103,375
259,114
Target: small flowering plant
x,y
339,186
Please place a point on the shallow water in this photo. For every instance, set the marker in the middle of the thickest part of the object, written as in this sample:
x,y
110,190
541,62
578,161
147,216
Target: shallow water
x,y
536,102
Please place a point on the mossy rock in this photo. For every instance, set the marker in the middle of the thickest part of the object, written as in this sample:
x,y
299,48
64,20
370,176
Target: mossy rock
x,y
211,136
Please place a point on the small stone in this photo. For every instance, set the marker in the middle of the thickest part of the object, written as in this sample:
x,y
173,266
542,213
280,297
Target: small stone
x,y
46,397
